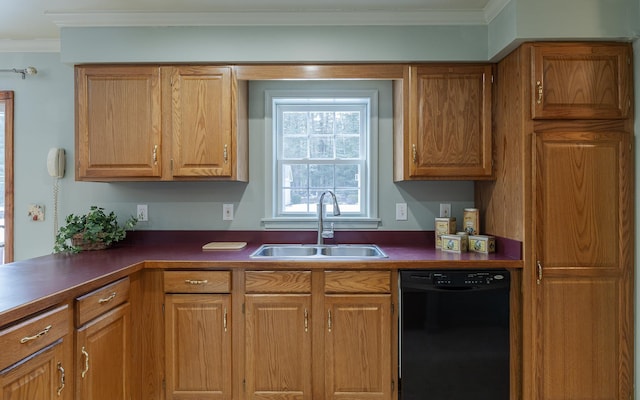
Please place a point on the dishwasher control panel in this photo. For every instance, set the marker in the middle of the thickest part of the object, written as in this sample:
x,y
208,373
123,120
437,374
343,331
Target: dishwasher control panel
x,y
456,278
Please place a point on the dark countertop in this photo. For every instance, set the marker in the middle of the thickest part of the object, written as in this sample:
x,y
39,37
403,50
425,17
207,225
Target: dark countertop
x,y
35,284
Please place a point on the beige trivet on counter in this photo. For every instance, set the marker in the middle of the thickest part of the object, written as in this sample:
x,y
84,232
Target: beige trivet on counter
x,y
224,246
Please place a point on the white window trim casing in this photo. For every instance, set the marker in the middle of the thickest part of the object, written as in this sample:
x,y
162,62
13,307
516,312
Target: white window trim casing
x,y
272,220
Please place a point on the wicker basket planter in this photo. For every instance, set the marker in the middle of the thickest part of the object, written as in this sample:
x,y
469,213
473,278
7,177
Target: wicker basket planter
x,y
78,241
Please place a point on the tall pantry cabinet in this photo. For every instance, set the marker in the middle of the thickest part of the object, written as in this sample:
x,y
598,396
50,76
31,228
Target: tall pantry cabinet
x,y
564,167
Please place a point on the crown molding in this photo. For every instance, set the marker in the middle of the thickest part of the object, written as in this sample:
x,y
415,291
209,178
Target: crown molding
x,y
30,46
270,18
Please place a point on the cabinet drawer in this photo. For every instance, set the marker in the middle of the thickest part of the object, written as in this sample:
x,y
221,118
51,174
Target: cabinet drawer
x,y
357,282
101,300
30,336
278,281
197,281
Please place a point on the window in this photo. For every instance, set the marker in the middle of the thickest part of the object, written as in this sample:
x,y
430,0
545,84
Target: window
x,y
323,141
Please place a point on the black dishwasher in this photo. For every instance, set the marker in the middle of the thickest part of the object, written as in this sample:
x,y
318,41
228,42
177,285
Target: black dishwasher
x,y
454,335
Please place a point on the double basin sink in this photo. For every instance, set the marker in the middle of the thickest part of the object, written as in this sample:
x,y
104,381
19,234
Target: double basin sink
x,y
318,251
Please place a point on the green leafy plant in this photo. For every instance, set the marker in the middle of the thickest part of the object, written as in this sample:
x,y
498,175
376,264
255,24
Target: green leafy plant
x,y
92,231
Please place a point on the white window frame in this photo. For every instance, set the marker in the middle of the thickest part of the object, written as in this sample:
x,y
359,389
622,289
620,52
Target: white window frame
x,y
274,219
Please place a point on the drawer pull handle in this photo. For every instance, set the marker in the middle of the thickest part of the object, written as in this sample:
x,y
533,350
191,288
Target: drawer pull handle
x,y
86,362
224,320
329,322
107,299
415,153
37,335
61,378
196,282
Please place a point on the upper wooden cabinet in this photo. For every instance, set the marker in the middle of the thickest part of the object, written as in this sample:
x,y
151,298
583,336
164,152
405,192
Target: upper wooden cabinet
x,y
118,122
160,123
580,81
446,129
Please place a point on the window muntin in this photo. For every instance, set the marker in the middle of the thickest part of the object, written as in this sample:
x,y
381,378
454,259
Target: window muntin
x,y
322,144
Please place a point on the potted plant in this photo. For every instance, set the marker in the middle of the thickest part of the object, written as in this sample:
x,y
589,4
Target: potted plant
x,y
92,231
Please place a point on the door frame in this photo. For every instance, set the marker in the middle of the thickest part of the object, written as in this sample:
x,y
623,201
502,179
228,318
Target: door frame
x,y
6,97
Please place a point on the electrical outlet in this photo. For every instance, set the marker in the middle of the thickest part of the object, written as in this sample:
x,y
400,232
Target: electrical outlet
x,y
401,212
143,213
445,210
227,212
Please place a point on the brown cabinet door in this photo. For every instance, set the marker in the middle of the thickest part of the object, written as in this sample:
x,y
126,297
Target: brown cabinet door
x,y
358,347
198,346
102,356
41,376
450,122
583,309
278,346
118,122
574,81
201,125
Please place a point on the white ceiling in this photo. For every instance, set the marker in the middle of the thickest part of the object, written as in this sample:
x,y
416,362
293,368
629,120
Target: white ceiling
x,y
29,20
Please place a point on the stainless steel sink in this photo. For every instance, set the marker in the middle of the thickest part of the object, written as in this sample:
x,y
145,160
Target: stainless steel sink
x,y
320,252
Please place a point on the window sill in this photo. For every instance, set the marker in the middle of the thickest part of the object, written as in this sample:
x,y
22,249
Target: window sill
x,y
312,223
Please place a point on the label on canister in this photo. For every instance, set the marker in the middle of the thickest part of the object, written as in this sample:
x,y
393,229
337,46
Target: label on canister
x,y
482,244
471,221
444,226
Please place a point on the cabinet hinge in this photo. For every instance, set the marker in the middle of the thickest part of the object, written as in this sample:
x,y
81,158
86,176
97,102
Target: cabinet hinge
x,y
393,309
243,308
171,165
162,308
393,386
164,385
244,384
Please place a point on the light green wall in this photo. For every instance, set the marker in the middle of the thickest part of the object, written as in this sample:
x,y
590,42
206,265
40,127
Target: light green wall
x,y
275,44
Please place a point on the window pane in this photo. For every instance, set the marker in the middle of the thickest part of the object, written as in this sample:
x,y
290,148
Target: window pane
x,y
348,200
321,176
348,147
321,123
348,122
295,200
294,147
294,123
295,175
321,147
347,176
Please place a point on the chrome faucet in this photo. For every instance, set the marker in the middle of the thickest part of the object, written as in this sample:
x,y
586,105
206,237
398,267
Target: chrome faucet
x,y
322,234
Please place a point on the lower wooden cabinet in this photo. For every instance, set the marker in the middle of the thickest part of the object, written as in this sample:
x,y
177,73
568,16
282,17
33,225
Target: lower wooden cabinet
x,y
41,376
198,336
358,347
102,357
103,352
350,320
35,360
278,346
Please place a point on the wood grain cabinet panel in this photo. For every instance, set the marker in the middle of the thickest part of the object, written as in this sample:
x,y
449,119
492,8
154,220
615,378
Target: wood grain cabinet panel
x,y
118,122
589,81
198,361
35,361
138,122
103,343
583,223
358,347
448,131
278,346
